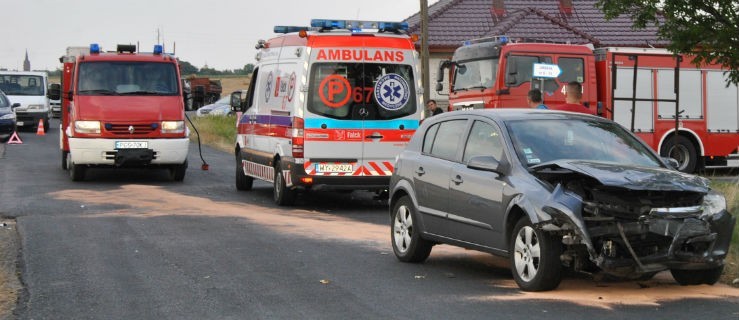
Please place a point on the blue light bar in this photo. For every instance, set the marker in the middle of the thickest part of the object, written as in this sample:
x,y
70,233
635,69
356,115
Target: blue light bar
x,y
158,49
94,48
503,39
328,24
392,26
289,29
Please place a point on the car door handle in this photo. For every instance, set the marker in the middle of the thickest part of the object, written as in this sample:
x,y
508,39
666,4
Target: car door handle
x,y
374,137
420,171
457,180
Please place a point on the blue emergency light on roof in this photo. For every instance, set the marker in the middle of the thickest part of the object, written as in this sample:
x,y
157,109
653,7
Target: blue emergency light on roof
x,y
158,49
354,25
94,48
290,29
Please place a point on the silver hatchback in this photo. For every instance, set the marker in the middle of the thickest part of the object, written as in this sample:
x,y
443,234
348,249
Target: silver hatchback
x,y
553,190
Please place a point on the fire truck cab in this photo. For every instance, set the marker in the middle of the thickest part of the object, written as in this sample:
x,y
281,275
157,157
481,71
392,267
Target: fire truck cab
x,y
328,107
122,109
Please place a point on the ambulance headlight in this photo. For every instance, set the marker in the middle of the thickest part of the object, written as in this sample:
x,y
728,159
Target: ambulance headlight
x,y
173,126
87,126
35,107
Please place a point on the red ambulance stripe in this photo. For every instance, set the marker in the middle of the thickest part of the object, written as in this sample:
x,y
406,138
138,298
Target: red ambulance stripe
x,y
389,166
377,168
355,135
359,42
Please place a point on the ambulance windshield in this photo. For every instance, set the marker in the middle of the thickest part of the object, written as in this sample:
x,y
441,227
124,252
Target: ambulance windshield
x,y
127,78
362,91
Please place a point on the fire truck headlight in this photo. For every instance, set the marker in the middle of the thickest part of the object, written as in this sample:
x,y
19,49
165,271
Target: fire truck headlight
x,y
35,107
173,126
87,126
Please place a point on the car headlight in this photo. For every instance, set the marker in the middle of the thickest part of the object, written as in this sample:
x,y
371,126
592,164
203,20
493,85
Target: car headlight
x,y
8,116
87,126
32,107
173,126
713,203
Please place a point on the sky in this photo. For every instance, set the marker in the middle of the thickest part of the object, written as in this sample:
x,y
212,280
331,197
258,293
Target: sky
x,y
219,33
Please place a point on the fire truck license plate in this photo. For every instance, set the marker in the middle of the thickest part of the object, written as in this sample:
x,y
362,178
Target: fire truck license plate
x,y
131,145
334,168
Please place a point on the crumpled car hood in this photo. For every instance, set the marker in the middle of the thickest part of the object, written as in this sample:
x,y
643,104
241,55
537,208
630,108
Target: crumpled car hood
x,y
637,178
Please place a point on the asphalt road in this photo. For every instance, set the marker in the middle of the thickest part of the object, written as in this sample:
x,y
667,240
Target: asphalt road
x,y
128,244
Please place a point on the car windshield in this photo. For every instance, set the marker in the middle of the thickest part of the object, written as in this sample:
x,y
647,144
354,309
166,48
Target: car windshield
x,y
4,103
541,141
362,91
127,78
224,100
22,85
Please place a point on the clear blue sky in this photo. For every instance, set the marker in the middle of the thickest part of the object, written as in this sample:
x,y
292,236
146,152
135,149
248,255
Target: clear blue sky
x,y
221,33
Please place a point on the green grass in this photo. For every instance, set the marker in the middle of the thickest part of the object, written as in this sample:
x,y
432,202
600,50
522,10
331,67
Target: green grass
x,y
220,132
216,131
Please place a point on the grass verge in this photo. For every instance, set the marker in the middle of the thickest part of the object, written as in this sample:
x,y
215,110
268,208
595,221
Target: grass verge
x,y
215,131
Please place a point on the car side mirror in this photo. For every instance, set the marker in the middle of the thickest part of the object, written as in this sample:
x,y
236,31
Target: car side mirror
x,y
15,105
671,163
236,101
54,92
487,163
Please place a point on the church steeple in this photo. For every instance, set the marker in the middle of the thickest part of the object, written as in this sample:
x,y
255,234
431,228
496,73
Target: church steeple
x,y
26,63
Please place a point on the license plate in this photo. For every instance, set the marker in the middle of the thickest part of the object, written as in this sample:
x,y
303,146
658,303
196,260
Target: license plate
x,y
19,123
334,168
131,144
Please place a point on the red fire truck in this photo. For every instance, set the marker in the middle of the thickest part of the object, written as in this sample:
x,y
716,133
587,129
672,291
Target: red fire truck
x,y
681,110
122,109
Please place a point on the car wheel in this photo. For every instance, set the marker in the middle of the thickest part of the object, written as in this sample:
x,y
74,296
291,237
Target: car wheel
x,y
177,171
406,237
283,196
696,277
681,149
243,182
534,258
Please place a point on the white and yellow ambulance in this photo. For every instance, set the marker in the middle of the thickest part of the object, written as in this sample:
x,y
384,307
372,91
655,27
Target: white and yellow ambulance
x,y
328,107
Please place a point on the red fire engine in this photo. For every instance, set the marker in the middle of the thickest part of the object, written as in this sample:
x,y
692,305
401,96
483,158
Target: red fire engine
x,y
681,110
122,109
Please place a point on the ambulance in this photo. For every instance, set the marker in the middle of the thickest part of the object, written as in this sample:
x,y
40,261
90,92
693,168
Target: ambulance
x,y
328,108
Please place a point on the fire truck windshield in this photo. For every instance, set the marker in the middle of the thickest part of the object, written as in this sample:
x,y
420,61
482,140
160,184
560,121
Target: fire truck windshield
x,y
127,78
475,74
362,91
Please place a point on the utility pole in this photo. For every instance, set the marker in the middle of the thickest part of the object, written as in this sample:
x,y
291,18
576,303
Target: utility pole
x,y
425,50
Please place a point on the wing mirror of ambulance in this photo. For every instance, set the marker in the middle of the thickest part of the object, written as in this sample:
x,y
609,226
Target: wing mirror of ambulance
x,y
236,101
54,92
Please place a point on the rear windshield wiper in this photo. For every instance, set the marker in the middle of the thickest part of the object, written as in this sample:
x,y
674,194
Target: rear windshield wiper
x,y
102,92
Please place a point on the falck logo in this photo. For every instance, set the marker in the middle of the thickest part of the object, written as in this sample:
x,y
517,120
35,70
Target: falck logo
x,y
131,129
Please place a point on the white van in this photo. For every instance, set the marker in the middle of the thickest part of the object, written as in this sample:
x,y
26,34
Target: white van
x,y
29,89
328,107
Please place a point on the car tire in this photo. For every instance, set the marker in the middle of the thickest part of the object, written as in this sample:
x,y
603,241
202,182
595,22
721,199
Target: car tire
x,y
408,245
534,257
77,171
243,182
696,277
282,195
681,149
177,171
65,155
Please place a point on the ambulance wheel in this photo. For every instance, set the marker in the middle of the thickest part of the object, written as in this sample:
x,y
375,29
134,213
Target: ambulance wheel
x,y
283,196
65,154
177,171
243,182
681,149
77,171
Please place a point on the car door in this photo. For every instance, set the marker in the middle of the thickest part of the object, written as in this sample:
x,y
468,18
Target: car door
x,y
431,173
477,214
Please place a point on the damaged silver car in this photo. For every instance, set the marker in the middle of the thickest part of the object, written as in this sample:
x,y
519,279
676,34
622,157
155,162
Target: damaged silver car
x,y
553,190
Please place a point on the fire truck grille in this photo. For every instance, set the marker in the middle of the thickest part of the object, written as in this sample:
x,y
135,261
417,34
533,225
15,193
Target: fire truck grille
x,y
110,155
130,129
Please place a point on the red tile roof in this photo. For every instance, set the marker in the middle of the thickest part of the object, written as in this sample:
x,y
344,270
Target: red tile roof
x,y
451,22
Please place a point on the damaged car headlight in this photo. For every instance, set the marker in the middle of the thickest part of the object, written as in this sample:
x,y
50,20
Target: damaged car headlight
x,y
713,203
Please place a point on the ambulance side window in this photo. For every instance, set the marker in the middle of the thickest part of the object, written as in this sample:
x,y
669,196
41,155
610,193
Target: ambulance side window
x,y
250,93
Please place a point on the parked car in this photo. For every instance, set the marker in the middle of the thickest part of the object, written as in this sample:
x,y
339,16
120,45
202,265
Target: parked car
x,y
7,117
554,189
206,109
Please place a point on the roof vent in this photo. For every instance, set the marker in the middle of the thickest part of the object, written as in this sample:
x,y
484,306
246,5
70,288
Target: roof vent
x,y
498,8
565,7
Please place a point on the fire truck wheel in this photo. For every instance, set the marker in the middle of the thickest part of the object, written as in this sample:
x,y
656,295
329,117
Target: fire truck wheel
x,y
77,171
681,149
177,172
243,182
65,154
283,196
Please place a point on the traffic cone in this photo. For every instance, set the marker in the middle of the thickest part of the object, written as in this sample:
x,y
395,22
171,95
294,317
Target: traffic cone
x,y
40,130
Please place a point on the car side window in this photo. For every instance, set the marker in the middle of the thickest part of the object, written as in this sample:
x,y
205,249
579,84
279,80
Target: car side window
x,y
484,140
447,138
428,139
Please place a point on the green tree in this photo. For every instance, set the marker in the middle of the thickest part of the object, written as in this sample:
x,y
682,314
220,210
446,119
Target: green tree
x,y
187,68
248,69
708,29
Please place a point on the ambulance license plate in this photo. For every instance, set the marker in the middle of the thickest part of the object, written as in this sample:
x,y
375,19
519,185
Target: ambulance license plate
x,y
131,145
334,168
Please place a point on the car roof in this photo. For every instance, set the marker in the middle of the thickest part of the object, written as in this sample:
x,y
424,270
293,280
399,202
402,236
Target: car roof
x,y
508,114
